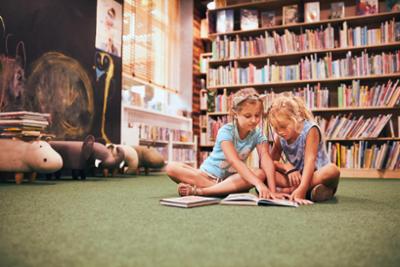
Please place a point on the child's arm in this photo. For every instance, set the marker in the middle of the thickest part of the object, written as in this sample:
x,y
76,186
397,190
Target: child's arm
x,y
276,149
310,157
267,165
233,158
276,156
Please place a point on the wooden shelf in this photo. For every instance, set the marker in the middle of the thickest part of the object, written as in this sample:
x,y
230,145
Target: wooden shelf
x,y
248,4
207,146
363,139
369,173
207,54
304,82
362,20
161,114
178,143
152,142
221,113
345,109
294,55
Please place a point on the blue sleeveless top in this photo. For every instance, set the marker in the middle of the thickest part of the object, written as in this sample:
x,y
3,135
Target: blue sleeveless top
x,y
216,164
295,152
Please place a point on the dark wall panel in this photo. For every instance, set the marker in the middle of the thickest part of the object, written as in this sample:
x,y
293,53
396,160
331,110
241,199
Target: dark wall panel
x,y
61,63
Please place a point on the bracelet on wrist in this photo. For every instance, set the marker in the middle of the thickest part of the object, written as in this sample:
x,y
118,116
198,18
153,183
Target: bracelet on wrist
x,y
291,170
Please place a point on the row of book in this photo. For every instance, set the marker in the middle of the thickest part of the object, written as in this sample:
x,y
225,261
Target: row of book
x,y
183,154
24,124
337,126
388,32
221,102
309,68
251,18
313,96
213,125
365,155
271,44
289,42
379,95
156,133
354,95
349,126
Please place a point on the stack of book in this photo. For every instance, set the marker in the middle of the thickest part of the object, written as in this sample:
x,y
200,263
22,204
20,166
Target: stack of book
x,y
24,124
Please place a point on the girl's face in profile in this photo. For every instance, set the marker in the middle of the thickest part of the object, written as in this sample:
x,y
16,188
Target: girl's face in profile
x,y
249,116
284,127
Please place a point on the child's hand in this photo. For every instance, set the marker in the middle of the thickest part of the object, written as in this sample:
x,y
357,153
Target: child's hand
x,y
263,191
294,178
279,195
299,195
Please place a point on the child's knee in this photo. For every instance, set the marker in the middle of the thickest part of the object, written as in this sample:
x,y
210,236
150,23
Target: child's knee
x,y
171,168
260,174
335,171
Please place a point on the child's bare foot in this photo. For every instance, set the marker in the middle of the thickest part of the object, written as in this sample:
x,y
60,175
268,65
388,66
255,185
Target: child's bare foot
x,y
321,192
187,190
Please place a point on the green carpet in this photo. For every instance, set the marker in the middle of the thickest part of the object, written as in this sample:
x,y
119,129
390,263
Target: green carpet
x,y
119,222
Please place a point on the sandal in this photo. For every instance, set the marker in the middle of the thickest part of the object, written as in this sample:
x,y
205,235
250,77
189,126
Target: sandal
x,y
187,190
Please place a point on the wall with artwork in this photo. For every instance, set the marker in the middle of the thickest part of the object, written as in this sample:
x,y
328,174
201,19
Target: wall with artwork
x,y
58,68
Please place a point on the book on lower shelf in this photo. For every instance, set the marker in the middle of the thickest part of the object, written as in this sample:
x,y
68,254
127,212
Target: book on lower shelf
x,y
248,199
189,201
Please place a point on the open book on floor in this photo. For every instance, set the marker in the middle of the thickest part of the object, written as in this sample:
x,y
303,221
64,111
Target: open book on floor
x,y
189,201
252,200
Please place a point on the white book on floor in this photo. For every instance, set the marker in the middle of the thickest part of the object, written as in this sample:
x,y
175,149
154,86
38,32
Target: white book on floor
x,y
249,199
189,201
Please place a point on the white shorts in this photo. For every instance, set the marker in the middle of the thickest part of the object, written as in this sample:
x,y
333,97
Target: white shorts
x,y
213,177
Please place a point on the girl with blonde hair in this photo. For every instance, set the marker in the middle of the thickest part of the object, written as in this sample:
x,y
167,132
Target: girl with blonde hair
x,y
308,170
225,170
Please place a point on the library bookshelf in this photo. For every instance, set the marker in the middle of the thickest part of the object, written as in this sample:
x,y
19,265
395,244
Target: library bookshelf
x,y
357,60
171,135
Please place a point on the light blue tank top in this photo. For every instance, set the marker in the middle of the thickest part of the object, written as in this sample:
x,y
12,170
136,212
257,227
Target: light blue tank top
x,y
216,164
295,152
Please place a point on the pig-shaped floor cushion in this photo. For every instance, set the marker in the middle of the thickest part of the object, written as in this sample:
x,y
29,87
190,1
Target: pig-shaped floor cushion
x,y
131,160
75,155
103,158
149,158
80,156
28,157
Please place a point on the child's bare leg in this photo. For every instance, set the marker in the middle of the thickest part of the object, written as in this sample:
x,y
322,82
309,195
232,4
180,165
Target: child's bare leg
x,y
182,173
232,184
283,183
327,175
